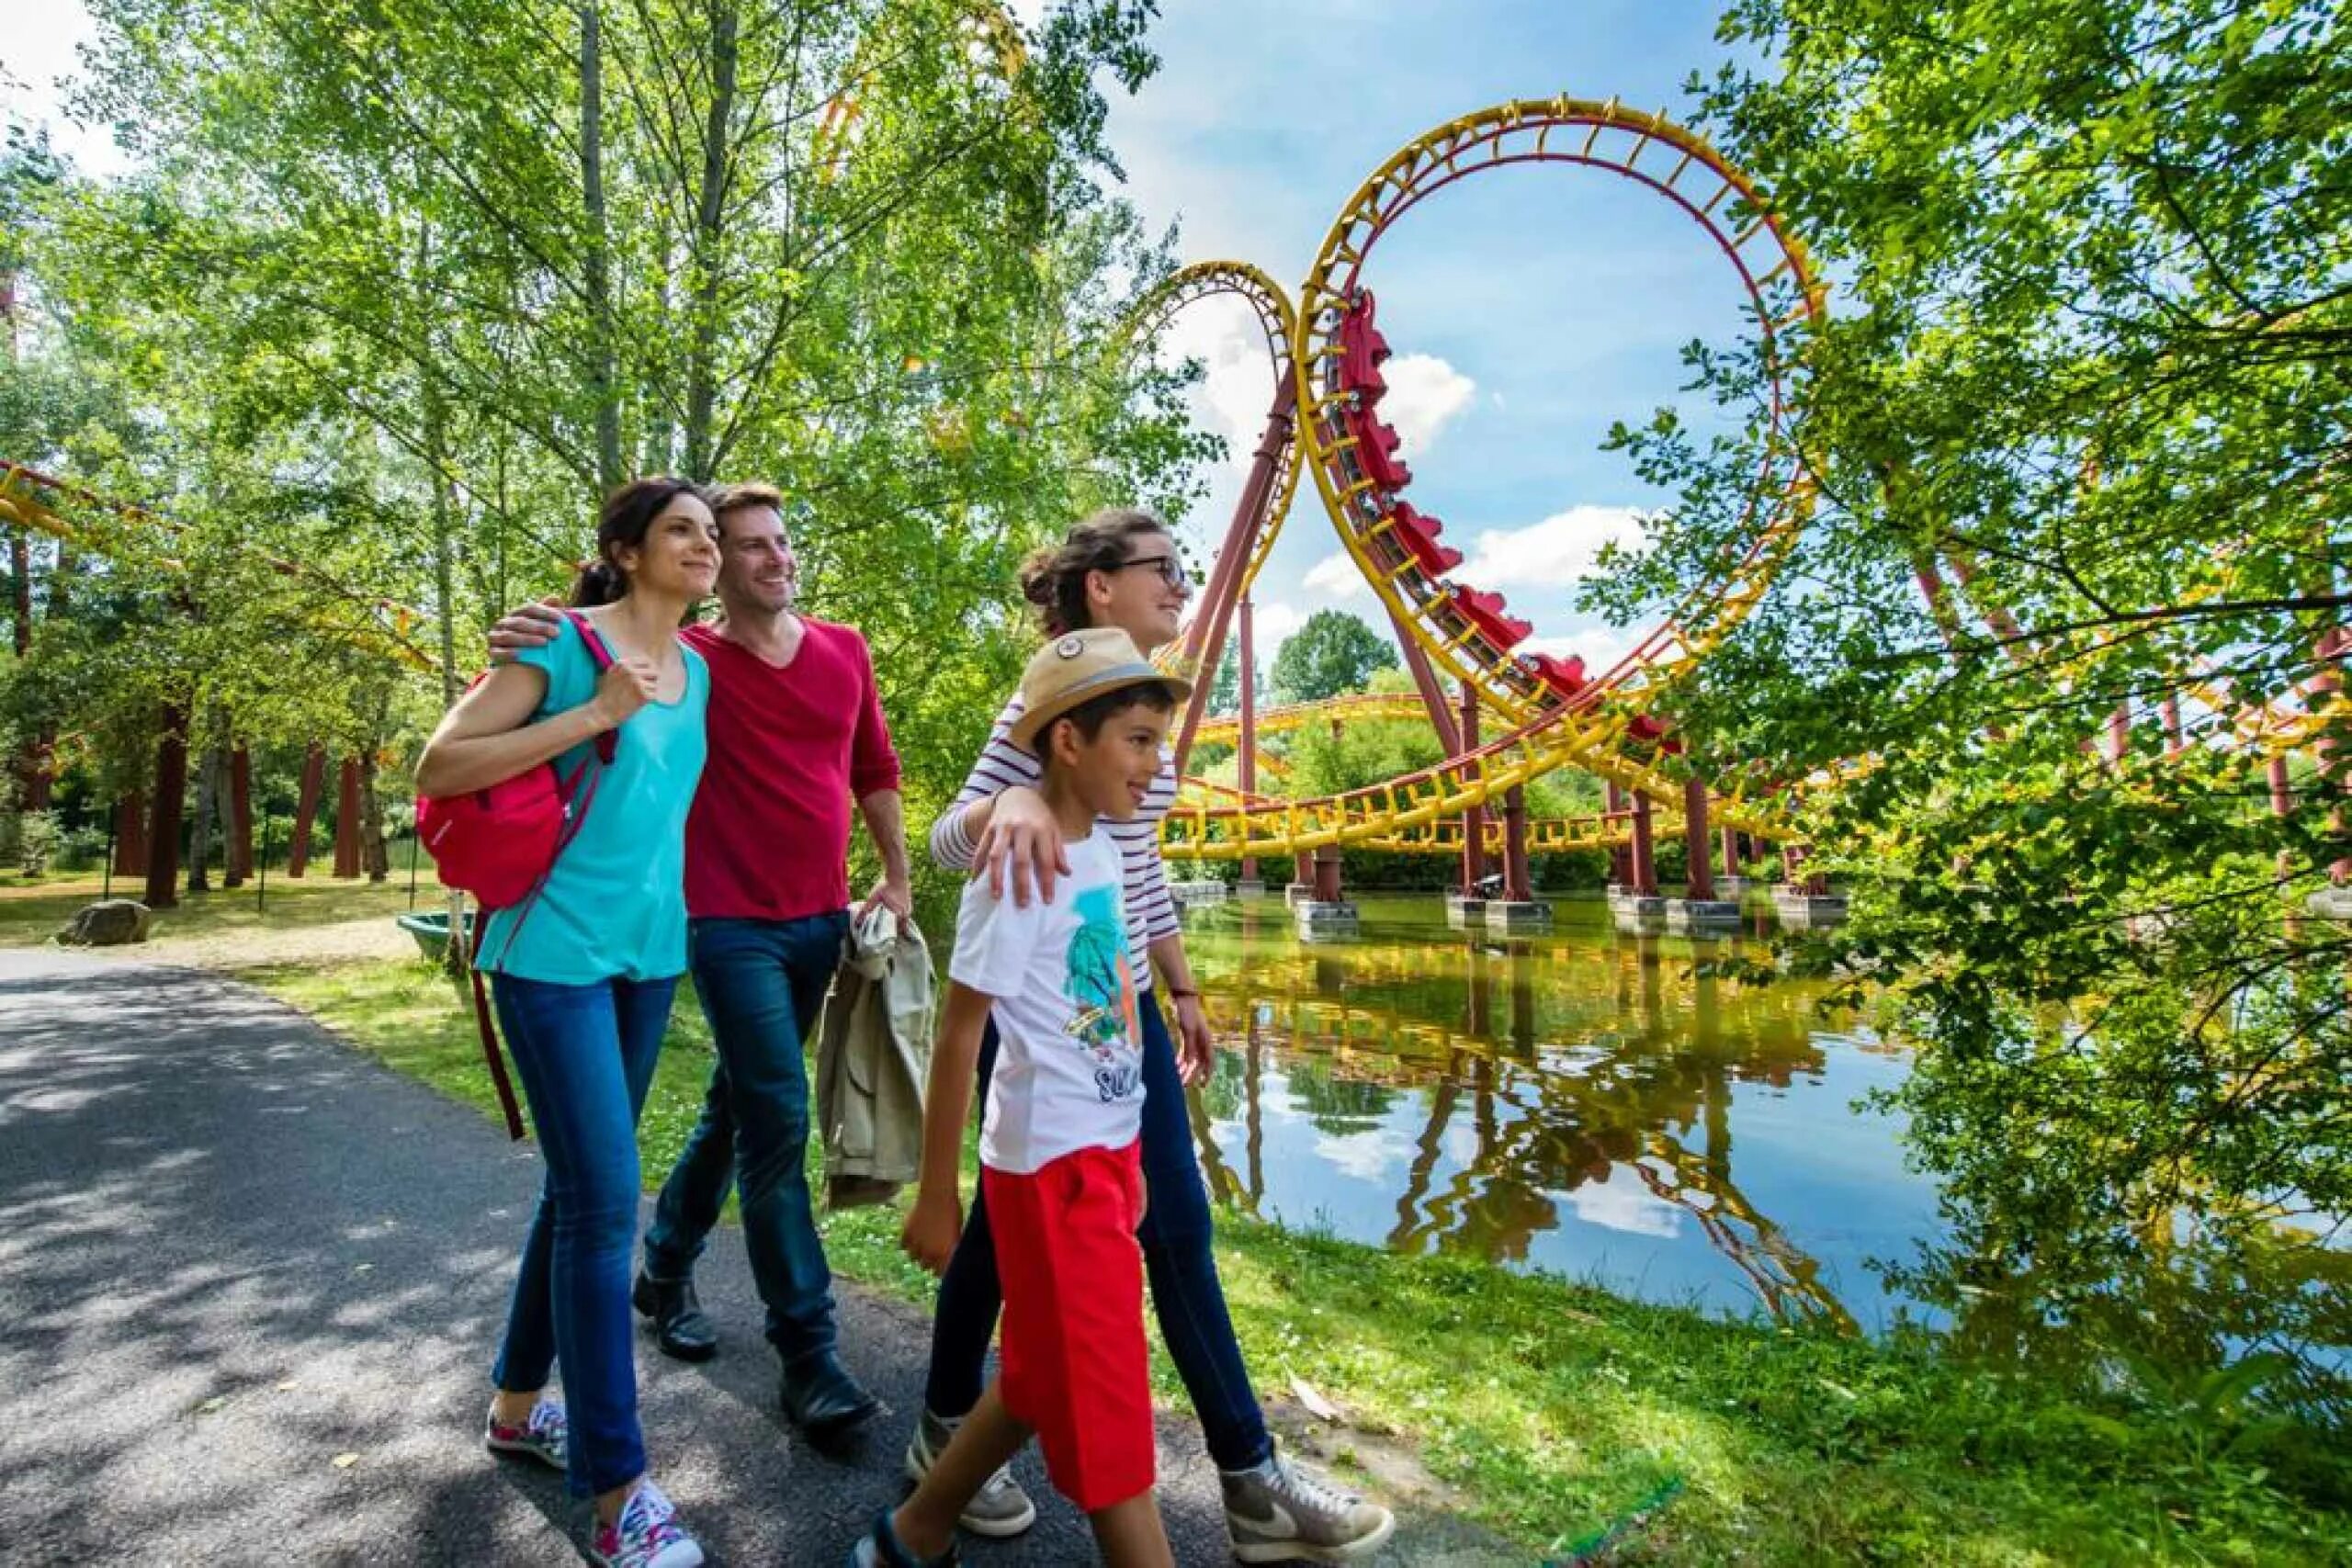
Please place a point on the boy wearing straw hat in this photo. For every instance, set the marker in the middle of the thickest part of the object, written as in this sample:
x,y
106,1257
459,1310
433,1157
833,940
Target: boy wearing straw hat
x,y
1057,1141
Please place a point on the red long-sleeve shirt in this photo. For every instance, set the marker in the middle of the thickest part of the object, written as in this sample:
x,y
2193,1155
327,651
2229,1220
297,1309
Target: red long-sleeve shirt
x,y
791,750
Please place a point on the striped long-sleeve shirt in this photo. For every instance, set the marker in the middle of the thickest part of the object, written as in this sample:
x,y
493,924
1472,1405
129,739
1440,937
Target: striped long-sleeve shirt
x,y
1151,912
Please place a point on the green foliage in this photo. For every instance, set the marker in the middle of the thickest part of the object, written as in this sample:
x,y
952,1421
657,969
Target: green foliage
x,y
1333,652
2082,365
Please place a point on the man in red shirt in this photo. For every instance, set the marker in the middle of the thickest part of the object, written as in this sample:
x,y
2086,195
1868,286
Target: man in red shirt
x,y
795,736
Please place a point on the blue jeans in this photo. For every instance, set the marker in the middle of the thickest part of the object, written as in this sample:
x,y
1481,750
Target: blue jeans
x,y
585,1055
761,984
1186,1294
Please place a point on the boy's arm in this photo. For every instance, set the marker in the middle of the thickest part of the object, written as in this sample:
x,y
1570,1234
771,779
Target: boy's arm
x,y
936,1220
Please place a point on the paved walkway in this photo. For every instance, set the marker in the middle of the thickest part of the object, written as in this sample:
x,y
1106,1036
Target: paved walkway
x,y
249,1286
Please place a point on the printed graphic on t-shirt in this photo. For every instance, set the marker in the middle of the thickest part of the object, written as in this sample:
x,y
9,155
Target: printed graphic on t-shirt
x,y
1101,983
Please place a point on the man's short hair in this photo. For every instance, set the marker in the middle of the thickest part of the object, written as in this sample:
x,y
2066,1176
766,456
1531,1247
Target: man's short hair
x,y
743,498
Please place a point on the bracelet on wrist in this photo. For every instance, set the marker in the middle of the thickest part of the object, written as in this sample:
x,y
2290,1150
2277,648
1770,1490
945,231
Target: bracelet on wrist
x,y
1179,993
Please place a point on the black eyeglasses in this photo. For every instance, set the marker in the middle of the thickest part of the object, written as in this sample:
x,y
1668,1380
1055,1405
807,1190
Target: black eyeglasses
x,y
1172,570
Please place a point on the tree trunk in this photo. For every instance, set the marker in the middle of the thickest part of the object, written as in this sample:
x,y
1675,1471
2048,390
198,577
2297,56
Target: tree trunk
x,y
708,253
200,838
306,809
602,376
164,824
372,857
240,818
347,820
457,956
130,834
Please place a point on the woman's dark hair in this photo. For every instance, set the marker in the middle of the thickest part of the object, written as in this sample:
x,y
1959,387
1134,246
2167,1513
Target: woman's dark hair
x,y
627,516
1054,579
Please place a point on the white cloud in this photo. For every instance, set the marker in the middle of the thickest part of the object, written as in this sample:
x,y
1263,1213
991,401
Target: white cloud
x,y
1555,553
40,54
1271,622
1238,375
1424,394
1624,1203
1338,576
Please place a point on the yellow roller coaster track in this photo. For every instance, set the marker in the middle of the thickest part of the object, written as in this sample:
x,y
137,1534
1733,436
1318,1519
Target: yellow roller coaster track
x,y
995,39
1587,727
1267,300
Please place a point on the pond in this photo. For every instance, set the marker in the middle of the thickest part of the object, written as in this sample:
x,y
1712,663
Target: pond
x,y
1584,1102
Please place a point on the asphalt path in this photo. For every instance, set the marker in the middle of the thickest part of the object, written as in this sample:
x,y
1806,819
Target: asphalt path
x,y
251,1282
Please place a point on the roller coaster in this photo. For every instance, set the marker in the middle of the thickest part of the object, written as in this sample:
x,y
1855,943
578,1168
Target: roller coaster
x,y
1323,415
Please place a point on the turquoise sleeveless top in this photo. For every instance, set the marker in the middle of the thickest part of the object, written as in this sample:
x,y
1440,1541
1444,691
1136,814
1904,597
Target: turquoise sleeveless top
x,y
614,904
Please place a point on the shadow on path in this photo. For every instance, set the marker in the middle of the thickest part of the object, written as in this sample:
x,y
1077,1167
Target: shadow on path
x,y
250,1284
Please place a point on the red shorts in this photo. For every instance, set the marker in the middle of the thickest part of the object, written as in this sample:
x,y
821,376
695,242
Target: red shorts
x,y
1073,1361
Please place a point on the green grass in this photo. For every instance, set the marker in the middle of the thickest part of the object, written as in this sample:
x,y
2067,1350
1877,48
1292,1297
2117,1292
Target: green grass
x,y
1545,1410
31,914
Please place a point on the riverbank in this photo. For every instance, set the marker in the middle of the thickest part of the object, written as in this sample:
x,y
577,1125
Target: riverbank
x,y
1555,1413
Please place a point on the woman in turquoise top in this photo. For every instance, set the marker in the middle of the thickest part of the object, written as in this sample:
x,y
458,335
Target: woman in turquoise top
x,y
584,975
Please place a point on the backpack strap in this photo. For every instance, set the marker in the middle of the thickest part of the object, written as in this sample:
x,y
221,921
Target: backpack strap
x,y
495,1057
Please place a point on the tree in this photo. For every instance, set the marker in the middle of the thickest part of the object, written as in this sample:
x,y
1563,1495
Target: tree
x,y
1333,652
2083,383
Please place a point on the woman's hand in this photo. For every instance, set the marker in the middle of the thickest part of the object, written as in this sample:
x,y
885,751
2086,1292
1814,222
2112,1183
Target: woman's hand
x,y
627,685
1023,845
933,1227
1196,1046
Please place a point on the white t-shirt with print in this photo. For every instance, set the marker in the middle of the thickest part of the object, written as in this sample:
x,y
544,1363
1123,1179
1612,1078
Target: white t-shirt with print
x,y
1069,1057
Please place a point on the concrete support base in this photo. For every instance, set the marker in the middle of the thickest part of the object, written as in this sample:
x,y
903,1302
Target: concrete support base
x,y
1250,888
1199,890
1515,915
1463,910
2332,903
1734,887
1317,919
1639,912
1701,914
1801,911
1297,892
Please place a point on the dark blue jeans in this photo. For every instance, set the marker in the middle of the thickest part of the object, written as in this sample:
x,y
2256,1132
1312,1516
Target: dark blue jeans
x,y
585,1055
761,984
1186,1294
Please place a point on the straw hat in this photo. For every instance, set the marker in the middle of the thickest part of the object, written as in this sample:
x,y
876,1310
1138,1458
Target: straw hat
x,y
1078,666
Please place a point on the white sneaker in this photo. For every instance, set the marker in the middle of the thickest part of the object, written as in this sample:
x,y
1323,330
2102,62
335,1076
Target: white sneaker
x,y
646,1535
1279,1513
1000,1510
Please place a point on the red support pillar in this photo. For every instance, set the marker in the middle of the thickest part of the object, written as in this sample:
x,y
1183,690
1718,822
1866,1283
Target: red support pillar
x,y
164,825
1730,836
1517,888
347,820
1643,870
240,867
2170,710
130,834
1473,820
1699,882
1620,862
1204,641
1249,758
306,809
1326,875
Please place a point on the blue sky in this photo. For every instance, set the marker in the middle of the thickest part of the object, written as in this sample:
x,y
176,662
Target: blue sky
x,y
1526,308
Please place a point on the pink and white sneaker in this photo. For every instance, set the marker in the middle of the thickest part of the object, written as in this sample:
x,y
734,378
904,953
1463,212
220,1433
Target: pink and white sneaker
x,y
540,1436
646,1535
